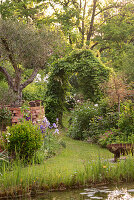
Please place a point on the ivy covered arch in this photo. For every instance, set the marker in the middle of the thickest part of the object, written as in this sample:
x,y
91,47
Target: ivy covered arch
x,y
90,73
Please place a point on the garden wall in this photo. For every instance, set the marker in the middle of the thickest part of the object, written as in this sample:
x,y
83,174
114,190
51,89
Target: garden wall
x,y
36,113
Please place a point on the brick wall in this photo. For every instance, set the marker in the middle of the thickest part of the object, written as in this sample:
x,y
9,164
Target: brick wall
x,y
36,113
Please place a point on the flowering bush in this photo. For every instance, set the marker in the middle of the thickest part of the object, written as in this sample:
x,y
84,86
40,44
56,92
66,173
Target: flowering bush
x,y
51,141
92,120
47,128
114,136
106,138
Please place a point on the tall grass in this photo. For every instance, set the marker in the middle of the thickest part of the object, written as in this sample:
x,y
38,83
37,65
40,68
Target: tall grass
x,y
78,165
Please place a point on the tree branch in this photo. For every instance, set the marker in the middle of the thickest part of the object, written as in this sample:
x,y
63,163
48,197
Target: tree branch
x,y
10,54
108,19
96,43
8,77
83,22
102,49
109,7
89,34
30,80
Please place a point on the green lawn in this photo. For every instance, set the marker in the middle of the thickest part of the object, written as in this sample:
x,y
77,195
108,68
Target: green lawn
x,y
71,159
79,163
76,154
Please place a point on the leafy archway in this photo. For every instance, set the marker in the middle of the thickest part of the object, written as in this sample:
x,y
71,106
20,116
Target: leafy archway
x,y
90,73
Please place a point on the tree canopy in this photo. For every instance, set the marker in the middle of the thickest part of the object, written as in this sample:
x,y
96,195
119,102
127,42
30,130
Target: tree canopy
x,y
24,47
104,27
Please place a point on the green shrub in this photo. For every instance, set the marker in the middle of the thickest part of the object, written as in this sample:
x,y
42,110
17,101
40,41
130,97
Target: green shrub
x,y
81,119
126,120
115,136
51,109
5,117
6,94
111,136
92,120
104,106
99,124
23,139
34,91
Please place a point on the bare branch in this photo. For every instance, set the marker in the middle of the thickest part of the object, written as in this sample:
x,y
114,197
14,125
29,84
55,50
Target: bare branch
x,y
8,77
30,80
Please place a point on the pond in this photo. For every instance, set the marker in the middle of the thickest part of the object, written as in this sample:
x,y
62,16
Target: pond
x,y
122,192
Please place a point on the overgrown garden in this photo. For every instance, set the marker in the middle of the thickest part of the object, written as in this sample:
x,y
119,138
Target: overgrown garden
x,y
75,69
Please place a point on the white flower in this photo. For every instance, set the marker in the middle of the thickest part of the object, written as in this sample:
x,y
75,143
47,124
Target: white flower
x,y
96,105
45,79
38,78
8,133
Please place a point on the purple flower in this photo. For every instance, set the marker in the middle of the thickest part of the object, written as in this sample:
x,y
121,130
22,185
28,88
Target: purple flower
x,y
41,127
54,125
57,119
56,131
50,127
47,123
42,131
28,118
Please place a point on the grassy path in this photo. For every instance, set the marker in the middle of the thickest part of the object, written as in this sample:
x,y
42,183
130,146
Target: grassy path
x,y
76,154
76,165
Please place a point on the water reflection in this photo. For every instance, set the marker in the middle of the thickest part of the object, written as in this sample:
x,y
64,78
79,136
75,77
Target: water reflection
x,y
107,193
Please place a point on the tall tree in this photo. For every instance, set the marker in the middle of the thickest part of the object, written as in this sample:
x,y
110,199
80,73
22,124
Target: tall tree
x,y
22,9
80,19
24,47
115,40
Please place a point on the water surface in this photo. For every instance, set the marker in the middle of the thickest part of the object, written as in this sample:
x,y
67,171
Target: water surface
x,y
125,191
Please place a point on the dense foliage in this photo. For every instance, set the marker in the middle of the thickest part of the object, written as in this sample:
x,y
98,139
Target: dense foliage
x,y
34,91
126,120
90,120
103,124
115,39
90,73
25,47
5,118
23,140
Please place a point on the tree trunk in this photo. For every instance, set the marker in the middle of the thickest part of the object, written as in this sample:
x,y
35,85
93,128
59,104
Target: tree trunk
x,y
16,85
90,32
18,98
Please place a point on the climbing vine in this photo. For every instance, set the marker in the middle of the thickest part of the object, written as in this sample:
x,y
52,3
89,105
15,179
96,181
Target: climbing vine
x,y
90,73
